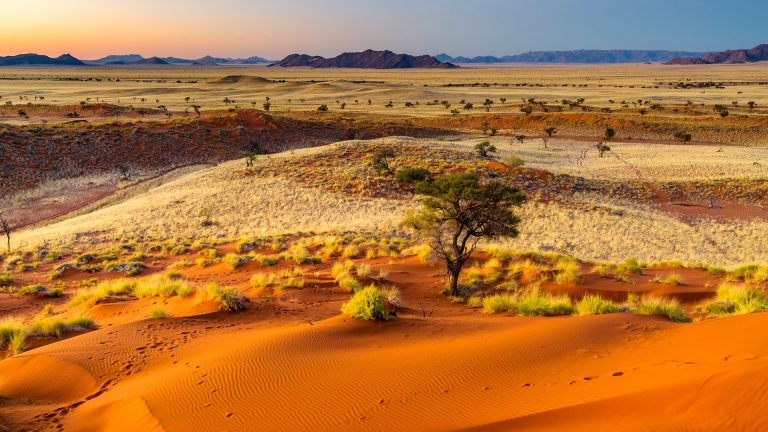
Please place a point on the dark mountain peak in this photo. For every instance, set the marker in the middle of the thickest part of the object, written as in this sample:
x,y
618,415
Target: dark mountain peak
x,y
368,59
756,54
32,59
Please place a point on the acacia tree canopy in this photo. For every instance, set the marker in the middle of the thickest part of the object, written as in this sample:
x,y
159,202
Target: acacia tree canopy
x,y
458,211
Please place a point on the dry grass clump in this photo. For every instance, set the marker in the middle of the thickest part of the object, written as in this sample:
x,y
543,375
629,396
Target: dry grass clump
x,y
229,299
6,279
528,272
263,280
671,279
593,304
162,286
733,299
342,273
369,304
567,271
90,297
158,313
234,261
266,260
392,296
301,255
668,307
529,303
423,251
153,286
12,335
351,251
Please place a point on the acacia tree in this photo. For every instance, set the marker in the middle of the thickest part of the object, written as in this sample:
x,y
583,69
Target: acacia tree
x,y
5,225
457,212
609,133
381,159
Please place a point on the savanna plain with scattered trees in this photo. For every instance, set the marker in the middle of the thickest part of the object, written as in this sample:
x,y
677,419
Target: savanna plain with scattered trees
x,y
482,248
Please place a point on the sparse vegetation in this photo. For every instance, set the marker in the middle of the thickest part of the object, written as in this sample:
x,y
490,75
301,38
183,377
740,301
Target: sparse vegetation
x,y
367,304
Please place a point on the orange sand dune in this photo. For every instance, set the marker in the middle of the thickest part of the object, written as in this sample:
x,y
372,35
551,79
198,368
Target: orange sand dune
x,y
610,372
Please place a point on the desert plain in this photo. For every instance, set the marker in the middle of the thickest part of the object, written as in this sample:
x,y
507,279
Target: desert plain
x,y
185,244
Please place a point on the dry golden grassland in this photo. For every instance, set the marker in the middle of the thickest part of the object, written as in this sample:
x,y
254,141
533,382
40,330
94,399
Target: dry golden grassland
x,y
239,203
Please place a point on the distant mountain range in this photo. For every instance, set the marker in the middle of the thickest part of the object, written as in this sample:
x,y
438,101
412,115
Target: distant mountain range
x,y
38,59
756,54
368,59
136,59
578,56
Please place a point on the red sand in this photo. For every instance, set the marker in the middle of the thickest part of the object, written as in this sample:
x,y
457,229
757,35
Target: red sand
x,y
292,363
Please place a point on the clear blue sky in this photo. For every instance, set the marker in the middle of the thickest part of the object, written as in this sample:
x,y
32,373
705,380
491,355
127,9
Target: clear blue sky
x,y
274,28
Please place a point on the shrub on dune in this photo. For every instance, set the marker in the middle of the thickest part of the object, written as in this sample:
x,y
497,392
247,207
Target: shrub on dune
x,y
9,329
673,279
262,280
499,303
351,251
90,297
668,307
629,265
266,260
301,255
161,286
593,304
534,303
364,271
81,322
350,284
47,327
17,344
6,279
736,299
158,313
234,261
367,304
568,271
392,296
229,299
529,303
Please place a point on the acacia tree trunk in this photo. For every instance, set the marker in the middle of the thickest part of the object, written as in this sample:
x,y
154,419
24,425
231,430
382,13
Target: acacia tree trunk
x,y
8,237
454,270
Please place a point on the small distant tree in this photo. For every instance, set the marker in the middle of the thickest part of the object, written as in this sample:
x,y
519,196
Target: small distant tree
x,y
381,158
683,137
602,148
207,214
468,106
751,105
322,108
250,157
526,109
267,106
125,173
520,138
609,133
458,212
484,148
5,225
550,131
412,175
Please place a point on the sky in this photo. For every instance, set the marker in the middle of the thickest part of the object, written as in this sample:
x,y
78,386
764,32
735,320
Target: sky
x,y
90,29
